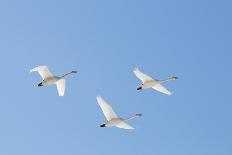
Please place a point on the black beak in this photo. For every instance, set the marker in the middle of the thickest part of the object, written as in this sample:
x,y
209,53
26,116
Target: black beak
x,y
103,125
40,84
175,77
140,88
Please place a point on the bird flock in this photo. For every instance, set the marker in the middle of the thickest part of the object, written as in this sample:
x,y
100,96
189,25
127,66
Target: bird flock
x,y
113,120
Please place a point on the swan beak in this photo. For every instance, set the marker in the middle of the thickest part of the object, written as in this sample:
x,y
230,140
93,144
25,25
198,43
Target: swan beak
x,y
175,77
139,88
40,84
103,125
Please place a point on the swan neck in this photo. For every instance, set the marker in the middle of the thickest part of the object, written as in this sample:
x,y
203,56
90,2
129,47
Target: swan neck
x,y
169,79
132,117
70,73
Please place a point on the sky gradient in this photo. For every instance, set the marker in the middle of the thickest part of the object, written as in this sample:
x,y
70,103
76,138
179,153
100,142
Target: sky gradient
x,y
104,41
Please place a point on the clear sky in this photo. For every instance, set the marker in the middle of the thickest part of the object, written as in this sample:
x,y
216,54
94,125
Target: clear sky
x,y
104,41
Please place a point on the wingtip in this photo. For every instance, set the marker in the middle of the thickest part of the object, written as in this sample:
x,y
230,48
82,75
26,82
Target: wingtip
x,y
32,70
136,69
36,68
98,97
61,94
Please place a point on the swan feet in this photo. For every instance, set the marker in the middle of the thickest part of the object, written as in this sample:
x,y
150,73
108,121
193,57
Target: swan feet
x,y
103,125
40,84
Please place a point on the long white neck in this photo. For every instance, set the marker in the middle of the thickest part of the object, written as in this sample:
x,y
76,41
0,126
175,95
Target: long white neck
x,y
70,73
169,79
132,117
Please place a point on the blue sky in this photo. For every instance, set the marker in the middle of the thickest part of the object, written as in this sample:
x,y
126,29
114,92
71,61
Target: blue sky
x,y
104,41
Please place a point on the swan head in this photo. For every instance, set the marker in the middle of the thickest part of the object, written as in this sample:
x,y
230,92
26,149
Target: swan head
x,y
138,115
174,77
40,84
74,72
103,125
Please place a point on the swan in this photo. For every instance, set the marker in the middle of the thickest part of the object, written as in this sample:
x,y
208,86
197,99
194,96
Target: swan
x,y
148,82
112,118
49,78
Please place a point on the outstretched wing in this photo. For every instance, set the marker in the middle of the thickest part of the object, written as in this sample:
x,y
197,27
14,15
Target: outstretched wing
x,y
43,71
106,108
161,89
143,77
61,87
124,126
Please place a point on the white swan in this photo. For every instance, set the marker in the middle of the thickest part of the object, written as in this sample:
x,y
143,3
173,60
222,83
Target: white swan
x,y
149,82
112,118
49,79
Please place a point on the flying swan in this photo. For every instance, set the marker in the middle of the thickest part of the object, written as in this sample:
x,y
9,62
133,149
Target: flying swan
x,y
49,78
148,82
112,118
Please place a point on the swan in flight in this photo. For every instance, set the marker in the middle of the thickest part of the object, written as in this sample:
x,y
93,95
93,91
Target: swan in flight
x,y
112,118
148,82
49,78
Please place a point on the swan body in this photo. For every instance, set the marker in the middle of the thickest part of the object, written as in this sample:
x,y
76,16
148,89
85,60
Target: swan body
x,y
112,118
113,122
148,82
49,79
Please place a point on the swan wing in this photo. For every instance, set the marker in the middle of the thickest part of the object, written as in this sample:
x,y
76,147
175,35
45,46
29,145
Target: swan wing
x,y
143,77
124,126
61,87
106,108
43,71
161,89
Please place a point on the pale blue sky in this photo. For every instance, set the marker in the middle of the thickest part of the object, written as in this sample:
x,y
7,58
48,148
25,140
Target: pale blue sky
x,y
104,41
